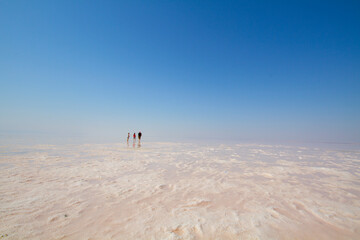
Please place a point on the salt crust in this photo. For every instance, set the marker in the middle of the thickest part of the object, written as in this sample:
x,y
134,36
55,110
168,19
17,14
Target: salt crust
x,y
179,191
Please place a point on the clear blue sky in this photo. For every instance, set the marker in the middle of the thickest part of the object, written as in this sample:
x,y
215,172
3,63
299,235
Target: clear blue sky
x,y
216,69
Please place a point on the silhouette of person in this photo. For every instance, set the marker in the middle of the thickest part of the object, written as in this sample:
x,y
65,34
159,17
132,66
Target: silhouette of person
x,y
139,136
134,136
128,137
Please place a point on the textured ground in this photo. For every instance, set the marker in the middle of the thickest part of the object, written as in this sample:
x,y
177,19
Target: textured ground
x,y
179,191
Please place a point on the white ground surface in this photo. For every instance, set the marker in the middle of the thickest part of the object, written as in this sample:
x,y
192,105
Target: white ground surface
x,y
179,191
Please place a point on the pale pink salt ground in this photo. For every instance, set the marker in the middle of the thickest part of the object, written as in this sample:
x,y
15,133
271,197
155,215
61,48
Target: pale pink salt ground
x,y
179,191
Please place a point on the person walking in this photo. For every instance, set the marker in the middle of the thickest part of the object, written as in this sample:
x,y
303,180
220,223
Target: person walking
x,y
139,136
134,136
128,137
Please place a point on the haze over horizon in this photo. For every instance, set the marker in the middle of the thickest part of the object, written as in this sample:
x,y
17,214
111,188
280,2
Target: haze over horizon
x,y
189,69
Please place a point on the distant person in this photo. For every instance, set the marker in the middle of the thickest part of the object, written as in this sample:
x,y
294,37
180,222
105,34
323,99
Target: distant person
x,y
134,136
128,137
139,136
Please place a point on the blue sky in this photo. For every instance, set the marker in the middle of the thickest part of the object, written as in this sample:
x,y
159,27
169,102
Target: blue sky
x,y
182,69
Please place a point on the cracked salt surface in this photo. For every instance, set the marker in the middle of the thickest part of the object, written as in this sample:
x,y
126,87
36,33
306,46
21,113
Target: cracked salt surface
x,y
179,191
